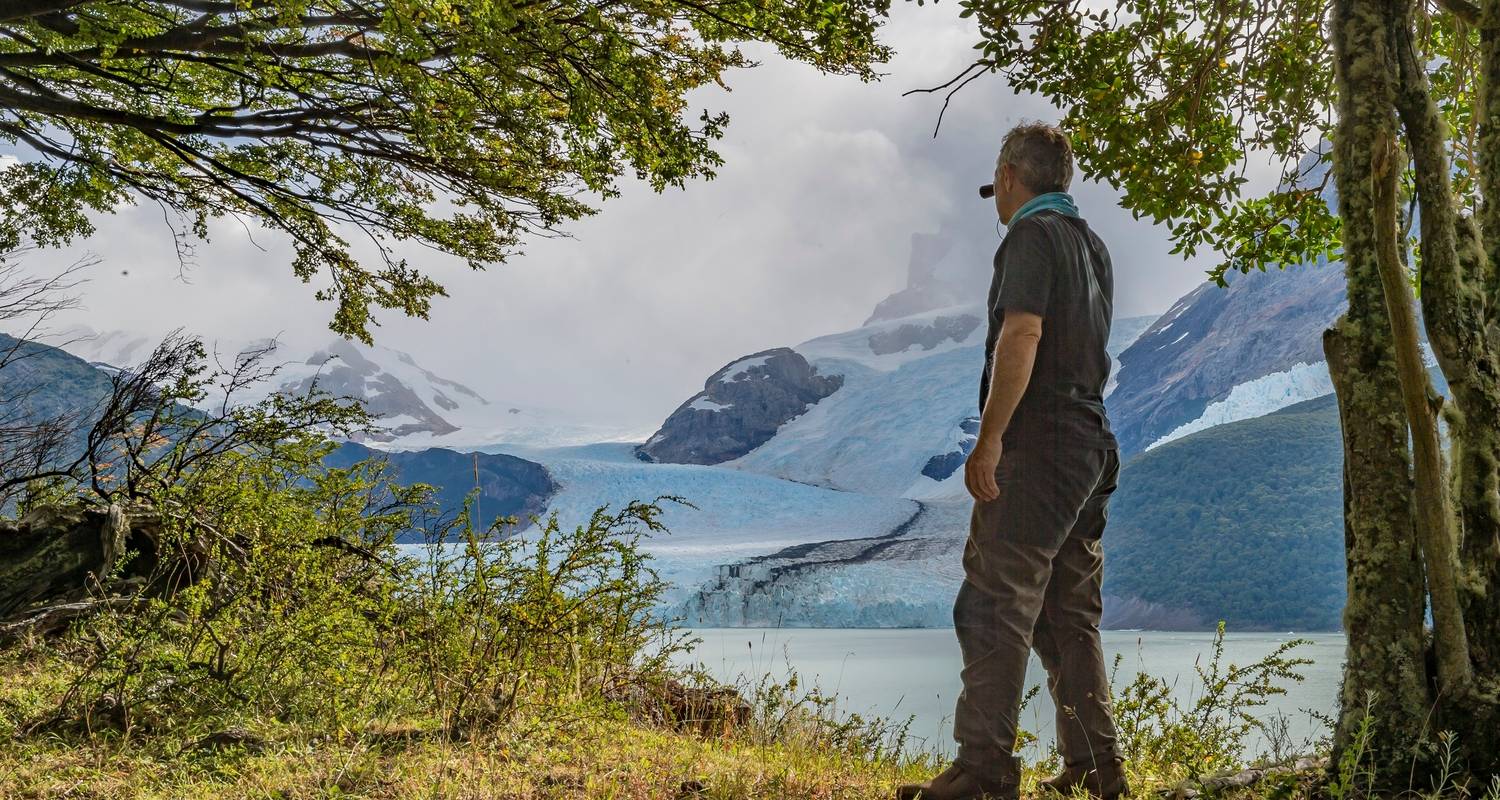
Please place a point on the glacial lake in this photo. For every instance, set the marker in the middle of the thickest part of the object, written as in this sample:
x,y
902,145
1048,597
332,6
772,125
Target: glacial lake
x,y
913,673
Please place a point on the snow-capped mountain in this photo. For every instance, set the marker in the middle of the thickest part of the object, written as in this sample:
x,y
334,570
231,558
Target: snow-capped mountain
x,y
407,399
46,383
410,402
415,407
894,413
1225,354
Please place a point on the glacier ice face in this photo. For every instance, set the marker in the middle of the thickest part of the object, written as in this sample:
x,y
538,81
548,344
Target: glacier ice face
x,y
1255,398
907,577
737,515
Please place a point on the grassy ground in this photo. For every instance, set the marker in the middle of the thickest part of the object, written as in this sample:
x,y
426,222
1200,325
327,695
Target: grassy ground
x,y
601,760
588,757
585,758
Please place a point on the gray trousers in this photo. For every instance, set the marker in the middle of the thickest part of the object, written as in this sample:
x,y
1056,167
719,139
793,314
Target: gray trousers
x,y
1032,575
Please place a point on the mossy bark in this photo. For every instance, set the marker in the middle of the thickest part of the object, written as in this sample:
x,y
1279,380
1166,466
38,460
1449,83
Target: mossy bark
x,y
1384,672
1433,511
1457,521
58,563
1459,318
1466,304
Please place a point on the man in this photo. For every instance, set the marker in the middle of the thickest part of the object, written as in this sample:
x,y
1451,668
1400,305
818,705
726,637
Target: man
x,y
1041,475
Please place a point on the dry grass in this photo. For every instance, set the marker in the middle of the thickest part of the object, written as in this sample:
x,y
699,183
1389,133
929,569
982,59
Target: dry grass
x,y
599,760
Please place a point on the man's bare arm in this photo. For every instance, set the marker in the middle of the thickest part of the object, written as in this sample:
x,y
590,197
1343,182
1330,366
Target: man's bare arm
x,y
1015,354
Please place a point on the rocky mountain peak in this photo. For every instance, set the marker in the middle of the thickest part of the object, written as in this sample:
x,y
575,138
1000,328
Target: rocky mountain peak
x,y
741,406
1214,339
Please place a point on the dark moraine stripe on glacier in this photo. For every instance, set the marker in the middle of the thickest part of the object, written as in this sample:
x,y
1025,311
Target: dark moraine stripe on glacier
x,y
956,327
736,586
740,408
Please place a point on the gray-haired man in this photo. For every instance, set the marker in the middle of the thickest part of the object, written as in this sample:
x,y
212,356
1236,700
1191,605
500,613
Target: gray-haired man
x,y
1041,475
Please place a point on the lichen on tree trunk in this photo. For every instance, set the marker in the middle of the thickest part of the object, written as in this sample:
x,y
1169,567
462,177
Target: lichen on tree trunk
x,y
1433,511
56,558
1385,661
1458,313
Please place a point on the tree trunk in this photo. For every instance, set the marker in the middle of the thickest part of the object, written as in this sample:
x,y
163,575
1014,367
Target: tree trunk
x,y
59,555
1385,669
1455,270
1433,511
1467,301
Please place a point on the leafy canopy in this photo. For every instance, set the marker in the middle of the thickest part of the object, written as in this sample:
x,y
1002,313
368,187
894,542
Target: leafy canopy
x,y
1172,101
464,126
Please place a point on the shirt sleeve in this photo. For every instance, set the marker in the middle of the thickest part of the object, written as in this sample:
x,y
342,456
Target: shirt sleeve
x,y
1027,268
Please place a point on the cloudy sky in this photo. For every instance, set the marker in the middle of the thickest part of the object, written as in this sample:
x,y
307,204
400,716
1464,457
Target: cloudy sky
x,y
806,228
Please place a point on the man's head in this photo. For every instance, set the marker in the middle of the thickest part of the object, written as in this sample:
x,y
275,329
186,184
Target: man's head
x,y
1035,158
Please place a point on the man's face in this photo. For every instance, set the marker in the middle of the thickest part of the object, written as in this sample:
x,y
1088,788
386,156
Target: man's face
x,y
1010,194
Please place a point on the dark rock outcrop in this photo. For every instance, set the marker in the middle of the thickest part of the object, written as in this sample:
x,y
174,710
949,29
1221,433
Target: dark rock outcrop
x,y
508,485
741,406
956,327
939,467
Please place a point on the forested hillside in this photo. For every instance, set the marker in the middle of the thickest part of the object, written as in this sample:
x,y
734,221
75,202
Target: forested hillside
x,y
1241,521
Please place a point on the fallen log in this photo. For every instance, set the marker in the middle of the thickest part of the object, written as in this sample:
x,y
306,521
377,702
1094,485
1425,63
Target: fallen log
x,y
60,562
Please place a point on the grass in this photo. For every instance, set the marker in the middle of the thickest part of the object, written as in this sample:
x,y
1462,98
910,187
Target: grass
x,y
774,756
796,744
604,760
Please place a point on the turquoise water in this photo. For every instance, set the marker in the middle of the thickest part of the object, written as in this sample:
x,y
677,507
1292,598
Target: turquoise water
x,y
914,672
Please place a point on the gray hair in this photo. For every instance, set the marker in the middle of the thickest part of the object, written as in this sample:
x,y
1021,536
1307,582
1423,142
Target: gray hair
x,y
1040,154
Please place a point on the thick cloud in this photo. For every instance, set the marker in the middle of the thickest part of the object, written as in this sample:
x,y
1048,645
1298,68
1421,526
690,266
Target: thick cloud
x,y
805,229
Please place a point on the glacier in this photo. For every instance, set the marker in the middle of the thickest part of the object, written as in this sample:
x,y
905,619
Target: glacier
x,y
735,515
830,523
1258,397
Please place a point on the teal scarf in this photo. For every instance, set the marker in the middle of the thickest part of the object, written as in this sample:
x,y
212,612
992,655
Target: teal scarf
x,y
1049,201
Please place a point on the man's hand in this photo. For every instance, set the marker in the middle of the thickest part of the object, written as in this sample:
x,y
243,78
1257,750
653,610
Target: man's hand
x,y
979,471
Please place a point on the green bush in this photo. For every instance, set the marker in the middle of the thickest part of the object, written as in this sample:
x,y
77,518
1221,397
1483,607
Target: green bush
x,y
1166,738
276,593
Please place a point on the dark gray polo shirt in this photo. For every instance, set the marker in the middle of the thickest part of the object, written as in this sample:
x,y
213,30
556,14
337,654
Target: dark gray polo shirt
x,y
1055,266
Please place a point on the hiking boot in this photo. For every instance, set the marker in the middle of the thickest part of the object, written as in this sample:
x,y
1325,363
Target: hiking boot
x,y
1107,782
955,783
